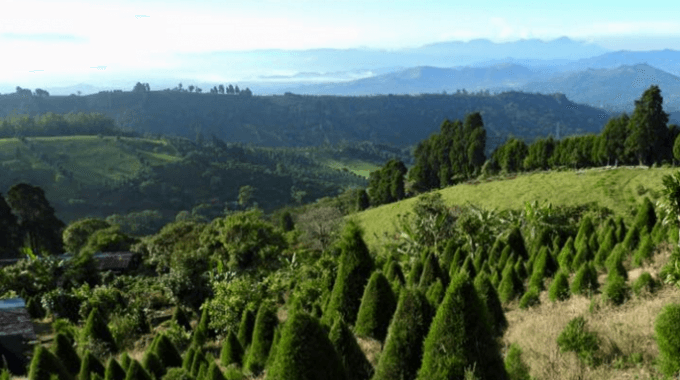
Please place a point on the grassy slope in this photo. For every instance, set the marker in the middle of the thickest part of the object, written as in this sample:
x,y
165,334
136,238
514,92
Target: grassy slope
x,y
615,189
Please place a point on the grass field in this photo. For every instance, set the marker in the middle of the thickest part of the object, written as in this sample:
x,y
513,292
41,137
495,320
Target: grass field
x,y
615,188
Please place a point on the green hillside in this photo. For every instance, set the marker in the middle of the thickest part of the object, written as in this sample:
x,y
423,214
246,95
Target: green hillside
x,y
615,188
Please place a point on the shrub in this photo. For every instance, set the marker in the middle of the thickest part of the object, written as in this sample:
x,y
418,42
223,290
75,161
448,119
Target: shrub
x,y
401,354
114,371
167,352
414,274
632,239
644,283
514,365
245,329
90,364
566,256
34,308
530,298
377,306
516,242
488,294
263,335
305,352
668,339
152,364
559,289
214,372
448,254
505,255
467,267
137,372
540,269
614,262
644,251
354,271
178,374
585,230
615,289
355,363
96,331
646,216
275,343
125,360
461,322
585,280
62,348
394,273
232,352
199,358
188,359
508,289
435,293
431,271
583,255
181,318
577,339
44,364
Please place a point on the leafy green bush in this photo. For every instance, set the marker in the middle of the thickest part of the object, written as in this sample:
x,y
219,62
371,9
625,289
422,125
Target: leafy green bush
x,y
305,352
62,304
394,273
585,280
510,286
514,365
77,233
530,298
668,340
644,284
615,290
576,338
377,306
559,289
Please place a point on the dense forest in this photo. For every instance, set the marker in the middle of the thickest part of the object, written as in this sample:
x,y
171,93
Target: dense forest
x,y
297,294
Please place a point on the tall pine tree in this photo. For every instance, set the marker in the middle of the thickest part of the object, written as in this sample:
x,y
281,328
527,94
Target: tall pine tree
x,y
648,127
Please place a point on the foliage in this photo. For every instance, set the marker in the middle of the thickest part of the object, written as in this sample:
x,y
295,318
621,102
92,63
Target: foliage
x,y
377,306
645,283
77,233
305,352
386,185
114,371
585,280
152,364
353,359
62,304
109,239
232,351
231,298
517,369
576,338
167,352
89,365
178,374
402,352
530,298
668,340
263,335
44,364
489,295
615,289
136,372
647,127
62,348
644,251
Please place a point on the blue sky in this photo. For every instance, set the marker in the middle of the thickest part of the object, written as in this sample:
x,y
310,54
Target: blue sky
x,y
67,36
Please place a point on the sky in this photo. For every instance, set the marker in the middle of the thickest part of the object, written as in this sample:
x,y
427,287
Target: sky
x,y
70,39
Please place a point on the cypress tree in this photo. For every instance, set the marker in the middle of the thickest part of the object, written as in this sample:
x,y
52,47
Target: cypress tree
x,y
152,364
488,293
593,244
125,360
644,251
199,358
214,373
583,255
516,242
263,335
530,298
203,370
90,364
402,351
435,293
377,307
305,352
97,330
608,243
414,274
181,318
355,269
509,287
394,273
431,271
460,337
355,363
540,269
586,228
621,229
505,255
458,258
44,364
245,329
632,239
137,372
63,350
467,267
114,371
188,358
559,289
479,260
448,254
566,256
275,343
667,338
167,352
647,128
232,352
521,270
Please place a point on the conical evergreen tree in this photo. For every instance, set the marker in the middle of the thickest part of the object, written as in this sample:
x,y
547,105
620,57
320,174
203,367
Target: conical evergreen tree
x,y
96,330
435,293
63,349
646,216
203,370
402,352
559,289
137,372
167,352
394,273
125,360
583,255
90,364
566,256
431,271
245,329
540,269
448,254
199,358
275,343
114,371
516,242
44,364
505,256
508,288
608,243
34,308
232,352
214,372
201,332
644,251
458,259
305,352
460,337
467,267
263,335
188,359
621,229
355,269
355,363
152,364
414,274
181,318
377,307
493,303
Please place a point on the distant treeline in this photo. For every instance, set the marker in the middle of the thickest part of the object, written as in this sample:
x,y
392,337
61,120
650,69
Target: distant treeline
x,y
51,124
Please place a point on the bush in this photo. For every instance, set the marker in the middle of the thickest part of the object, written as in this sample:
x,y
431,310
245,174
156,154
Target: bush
x,y
585,280
89,365
583,255
414,274
114,371
461,322
232,352
615,289
34,308
632,239
62,348
152,364
577,339
214,372
530,298
178,374
188,358
644,284
305,352
394,273
125,361
355,363
263,335
566,256
559,289
137,372
245,329
435,293
514,365
167,352
401,354
644,251
510,286
431,271
97,332
540,269
668,339
44,364
377,306
488,294
646,216
181,317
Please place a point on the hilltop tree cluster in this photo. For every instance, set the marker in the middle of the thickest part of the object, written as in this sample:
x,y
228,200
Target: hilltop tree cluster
x,y
219,89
